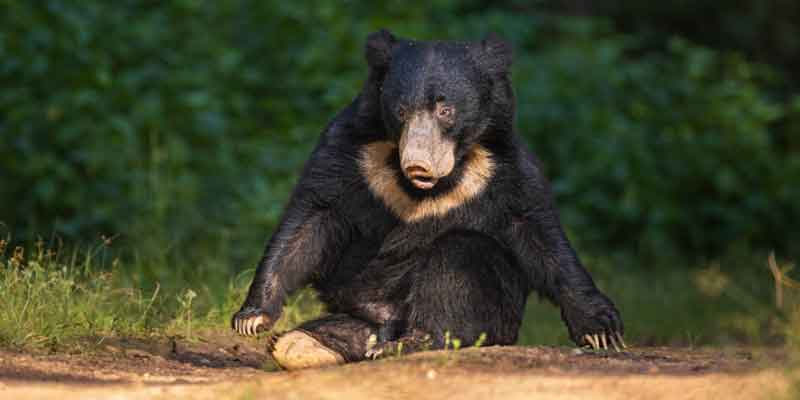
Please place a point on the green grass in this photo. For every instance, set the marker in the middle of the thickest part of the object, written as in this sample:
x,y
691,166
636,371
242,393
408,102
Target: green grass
x,y
61,301
48,302
58,300
723,302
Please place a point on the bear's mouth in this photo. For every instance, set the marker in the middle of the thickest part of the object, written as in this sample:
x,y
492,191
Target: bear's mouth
x,y
426,155
420,178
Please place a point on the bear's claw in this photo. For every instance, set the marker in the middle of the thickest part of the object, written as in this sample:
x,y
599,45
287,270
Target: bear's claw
x,y
373,354
250,322
250,326
373,350
600,341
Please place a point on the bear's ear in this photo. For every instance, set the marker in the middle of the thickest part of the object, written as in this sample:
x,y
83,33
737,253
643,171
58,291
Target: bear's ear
x,y
495,55
379,49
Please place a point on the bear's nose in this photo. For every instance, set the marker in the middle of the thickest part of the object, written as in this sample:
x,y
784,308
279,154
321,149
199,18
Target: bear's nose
x,y
420,175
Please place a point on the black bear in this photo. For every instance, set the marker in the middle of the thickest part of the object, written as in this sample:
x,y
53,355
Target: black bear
x,y
421,213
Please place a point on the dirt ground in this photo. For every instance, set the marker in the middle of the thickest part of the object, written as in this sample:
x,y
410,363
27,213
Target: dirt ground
x,y
238,369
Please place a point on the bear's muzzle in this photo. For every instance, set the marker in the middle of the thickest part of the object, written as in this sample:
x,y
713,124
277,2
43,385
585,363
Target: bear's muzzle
x,y
426,155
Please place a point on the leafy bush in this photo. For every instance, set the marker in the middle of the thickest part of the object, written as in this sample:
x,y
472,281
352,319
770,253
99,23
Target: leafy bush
x,y
182,124
669,154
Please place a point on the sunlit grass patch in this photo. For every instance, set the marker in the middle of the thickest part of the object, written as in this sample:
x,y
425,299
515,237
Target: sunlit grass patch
x,y
49,299
56,300
731,301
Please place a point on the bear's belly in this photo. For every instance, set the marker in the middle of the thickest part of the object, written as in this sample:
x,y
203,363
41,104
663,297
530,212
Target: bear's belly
x,y
373,276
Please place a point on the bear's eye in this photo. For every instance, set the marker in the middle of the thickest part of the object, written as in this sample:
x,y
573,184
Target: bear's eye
x,y
444,111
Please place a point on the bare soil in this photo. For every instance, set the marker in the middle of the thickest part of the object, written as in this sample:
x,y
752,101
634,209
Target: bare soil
x,y
228,367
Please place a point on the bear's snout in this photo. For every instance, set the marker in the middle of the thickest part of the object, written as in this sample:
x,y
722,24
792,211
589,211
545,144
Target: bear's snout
x,y
426,155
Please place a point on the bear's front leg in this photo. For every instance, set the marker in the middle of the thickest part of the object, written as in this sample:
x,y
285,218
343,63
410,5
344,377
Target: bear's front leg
x,y
592,319
543,251
308,242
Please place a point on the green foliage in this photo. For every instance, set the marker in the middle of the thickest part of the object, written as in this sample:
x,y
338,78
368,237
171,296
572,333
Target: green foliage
x,y
181,125
666,155
763,30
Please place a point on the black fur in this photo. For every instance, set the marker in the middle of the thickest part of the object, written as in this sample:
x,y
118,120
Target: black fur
x,y
467,272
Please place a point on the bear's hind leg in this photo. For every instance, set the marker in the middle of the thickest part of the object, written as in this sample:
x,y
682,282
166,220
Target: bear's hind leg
x,y
330,340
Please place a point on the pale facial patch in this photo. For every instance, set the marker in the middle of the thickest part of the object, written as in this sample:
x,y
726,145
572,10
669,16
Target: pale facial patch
x,y
425,152
382,181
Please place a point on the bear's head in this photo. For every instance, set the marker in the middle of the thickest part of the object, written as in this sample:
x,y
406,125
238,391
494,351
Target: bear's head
x,y
439,99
